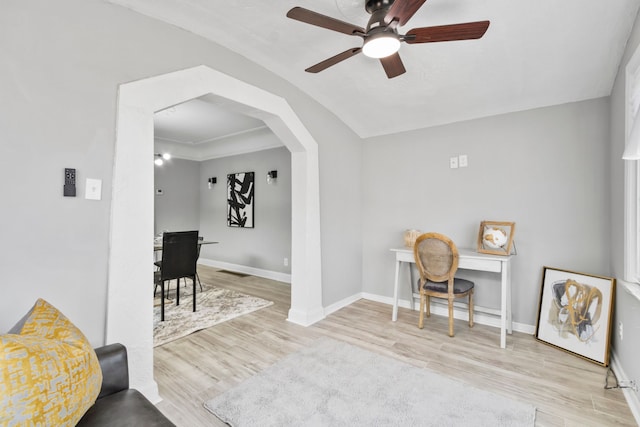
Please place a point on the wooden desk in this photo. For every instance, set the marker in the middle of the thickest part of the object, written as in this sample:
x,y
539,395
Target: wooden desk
x,y
469,260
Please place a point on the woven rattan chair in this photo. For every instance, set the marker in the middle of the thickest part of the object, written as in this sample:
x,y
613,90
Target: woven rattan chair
x,y
437,261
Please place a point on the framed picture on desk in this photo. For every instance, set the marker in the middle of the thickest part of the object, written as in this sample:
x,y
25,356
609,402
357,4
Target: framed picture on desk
x,y
496,237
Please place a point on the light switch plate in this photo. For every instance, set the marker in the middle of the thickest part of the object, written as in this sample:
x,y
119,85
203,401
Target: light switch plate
x,y
93,189
463,161
453,162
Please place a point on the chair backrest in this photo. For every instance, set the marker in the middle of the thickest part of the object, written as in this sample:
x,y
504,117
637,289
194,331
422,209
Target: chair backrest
x,y
179,254
436,257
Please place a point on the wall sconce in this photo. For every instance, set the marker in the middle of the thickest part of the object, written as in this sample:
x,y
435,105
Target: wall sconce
x,y
160,158
211,181
271,176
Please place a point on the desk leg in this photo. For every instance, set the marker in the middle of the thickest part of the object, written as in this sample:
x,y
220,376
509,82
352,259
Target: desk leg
x,y
503,305
509,312
411,301
394,314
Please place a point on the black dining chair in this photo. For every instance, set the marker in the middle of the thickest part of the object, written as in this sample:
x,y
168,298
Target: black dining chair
x,y
158,264
179,259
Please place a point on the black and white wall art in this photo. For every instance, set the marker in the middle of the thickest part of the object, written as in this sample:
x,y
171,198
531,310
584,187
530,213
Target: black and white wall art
x,y
240,193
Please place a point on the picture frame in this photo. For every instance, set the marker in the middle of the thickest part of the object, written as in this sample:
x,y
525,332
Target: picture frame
x,y
574,313
496,237
240,198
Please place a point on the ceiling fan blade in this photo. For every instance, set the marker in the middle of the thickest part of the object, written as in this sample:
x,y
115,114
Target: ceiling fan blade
x,y
333,60
310,17
402,11
393,65
445,33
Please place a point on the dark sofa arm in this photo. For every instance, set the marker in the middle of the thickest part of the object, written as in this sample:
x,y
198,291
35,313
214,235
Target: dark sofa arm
x,y
115,369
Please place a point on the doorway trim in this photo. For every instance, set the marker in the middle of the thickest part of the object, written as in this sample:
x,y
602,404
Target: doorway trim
x,y
129,303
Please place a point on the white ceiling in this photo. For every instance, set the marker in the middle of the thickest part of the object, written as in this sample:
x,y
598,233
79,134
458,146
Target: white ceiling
x,y
200,122
535,53
202,129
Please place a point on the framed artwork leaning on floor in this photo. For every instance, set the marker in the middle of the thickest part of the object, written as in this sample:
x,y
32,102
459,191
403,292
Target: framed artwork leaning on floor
x,y
574,313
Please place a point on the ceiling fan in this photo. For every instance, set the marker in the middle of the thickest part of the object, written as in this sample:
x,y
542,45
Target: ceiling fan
x,y
381,39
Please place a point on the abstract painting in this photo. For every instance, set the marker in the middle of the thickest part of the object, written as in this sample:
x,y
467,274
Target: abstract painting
x,y
575,313
240,192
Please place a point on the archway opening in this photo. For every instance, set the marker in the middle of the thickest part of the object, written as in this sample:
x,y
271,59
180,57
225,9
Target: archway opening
x,y
129,303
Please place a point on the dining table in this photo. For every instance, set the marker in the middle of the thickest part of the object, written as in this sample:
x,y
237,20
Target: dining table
x,y
157,246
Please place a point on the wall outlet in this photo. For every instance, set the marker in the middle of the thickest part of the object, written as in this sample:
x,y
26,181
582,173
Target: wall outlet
x,y
463,160
620,330
286,262
453,162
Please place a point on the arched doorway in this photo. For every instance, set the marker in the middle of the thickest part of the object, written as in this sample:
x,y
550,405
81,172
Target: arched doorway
x,y
129,304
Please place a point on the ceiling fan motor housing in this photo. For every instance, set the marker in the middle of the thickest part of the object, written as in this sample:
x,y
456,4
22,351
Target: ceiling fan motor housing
x,y
374,5
378,10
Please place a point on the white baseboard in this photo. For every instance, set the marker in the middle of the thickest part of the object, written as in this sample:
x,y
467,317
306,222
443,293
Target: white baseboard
x,y
304,318
629,394
267,274
458,313
436,308
343,303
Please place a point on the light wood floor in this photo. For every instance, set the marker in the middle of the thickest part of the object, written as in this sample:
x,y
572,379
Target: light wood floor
x,y
566,390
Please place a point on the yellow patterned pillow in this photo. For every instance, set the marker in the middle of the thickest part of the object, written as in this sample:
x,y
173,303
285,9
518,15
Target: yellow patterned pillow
x,y
49,373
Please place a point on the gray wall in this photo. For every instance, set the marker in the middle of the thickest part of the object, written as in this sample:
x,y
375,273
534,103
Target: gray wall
x,y
267,244
545,169
178,208
627,307
60,68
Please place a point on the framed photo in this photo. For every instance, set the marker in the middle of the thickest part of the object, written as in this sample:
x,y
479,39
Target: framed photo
x,y
496,237
240,192
575,313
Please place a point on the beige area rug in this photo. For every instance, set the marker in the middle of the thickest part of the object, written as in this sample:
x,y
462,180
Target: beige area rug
x,y
332,383
213,305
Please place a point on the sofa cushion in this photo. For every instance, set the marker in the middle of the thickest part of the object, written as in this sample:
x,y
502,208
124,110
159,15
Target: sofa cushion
x,y
125,408
49,373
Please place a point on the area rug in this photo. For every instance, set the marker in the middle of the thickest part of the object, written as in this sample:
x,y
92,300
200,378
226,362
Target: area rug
x,y
332,383
213,305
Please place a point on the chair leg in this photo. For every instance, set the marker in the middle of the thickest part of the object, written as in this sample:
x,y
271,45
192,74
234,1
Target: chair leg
x,y
428,306
162,301
471,309
177,291
199,282
194,292
450,317
421,319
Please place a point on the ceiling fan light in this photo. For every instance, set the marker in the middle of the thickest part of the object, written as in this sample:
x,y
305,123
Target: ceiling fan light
x,y
166,156
381,45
